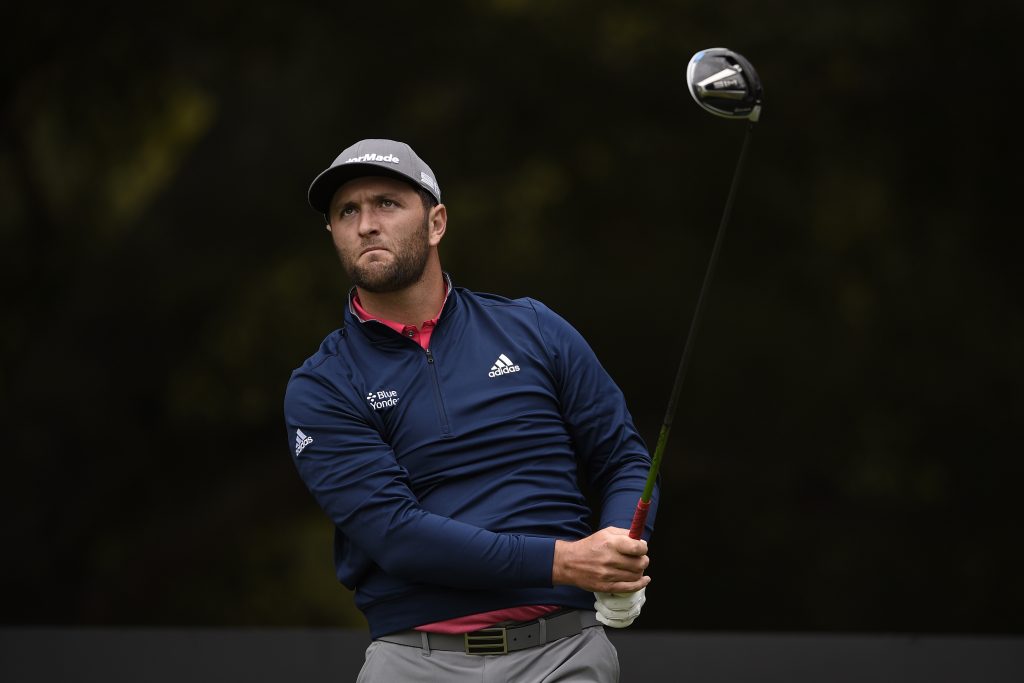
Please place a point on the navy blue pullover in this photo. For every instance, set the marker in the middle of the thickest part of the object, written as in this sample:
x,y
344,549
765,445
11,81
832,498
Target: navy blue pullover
x,y
449,473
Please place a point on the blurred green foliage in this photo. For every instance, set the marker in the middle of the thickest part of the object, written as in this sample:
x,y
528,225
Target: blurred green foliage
x,y
846,453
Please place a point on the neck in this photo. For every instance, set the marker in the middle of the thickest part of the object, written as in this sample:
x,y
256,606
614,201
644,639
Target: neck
x,y
410,306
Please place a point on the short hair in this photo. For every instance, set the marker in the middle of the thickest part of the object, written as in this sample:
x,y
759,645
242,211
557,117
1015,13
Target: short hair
x,y
428,199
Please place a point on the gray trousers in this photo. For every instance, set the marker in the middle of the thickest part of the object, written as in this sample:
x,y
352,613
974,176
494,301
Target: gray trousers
x,y
585,658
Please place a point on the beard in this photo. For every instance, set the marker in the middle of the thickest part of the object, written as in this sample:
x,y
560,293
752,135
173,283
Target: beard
x,y
406,268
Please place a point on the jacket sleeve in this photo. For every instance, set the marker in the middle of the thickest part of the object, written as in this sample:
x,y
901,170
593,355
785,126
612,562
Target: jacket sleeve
x,y
613,454
355,477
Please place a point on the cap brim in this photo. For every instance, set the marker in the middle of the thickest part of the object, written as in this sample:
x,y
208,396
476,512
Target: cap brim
x,y
323,187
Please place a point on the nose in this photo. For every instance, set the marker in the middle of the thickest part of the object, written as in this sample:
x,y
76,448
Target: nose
x,y
368,224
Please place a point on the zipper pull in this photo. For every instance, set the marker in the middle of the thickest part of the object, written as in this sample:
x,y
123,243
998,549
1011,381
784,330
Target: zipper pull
x,y
430,356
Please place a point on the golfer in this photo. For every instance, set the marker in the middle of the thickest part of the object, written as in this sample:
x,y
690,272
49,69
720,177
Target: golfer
x,y
445,432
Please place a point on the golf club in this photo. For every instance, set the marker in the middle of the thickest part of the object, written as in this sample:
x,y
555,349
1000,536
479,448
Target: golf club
x,y
724,83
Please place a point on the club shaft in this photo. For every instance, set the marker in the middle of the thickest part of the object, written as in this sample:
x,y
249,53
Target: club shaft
x,y
640,516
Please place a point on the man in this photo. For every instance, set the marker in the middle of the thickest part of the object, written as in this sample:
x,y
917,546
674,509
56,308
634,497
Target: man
x,y
443,432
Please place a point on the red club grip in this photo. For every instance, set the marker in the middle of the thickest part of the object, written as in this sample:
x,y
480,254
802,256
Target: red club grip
x,y
636,529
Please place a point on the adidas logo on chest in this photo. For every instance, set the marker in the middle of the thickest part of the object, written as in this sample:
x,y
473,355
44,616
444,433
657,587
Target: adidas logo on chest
x,y
502,366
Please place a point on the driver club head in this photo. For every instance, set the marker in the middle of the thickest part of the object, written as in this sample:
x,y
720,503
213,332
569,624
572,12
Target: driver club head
x,y
724,83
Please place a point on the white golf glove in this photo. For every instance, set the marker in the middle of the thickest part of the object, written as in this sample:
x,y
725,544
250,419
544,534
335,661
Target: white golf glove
x,y
618,610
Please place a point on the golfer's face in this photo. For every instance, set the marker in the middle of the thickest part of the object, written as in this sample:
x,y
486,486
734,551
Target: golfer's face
x,y
379,228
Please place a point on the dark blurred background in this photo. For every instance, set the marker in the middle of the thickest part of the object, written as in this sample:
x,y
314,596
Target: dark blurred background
x,y
846,455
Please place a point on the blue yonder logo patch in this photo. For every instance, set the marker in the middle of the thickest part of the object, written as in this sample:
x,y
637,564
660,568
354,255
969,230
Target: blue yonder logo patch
x,y
379,400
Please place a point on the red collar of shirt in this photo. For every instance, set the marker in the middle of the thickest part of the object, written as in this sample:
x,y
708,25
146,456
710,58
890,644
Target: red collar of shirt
x,y
420,335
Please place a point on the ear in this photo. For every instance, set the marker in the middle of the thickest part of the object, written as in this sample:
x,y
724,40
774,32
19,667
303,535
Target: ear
x,y
437,222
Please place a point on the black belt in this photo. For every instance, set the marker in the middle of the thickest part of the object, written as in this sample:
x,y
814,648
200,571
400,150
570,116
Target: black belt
x,y
499,640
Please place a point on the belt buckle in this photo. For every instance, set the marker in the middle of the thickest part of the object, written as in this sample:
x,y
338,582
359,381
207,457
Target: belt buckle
x,y
487,641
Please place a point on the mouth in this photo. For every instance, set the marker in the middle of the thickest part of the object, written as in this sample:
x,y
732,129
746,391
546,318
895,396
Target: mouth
x,y
367,250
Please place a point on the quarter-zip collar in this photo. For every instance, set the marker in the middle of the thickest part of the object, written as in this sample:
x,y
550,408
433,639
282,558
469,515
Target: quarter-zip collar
x,y
379,333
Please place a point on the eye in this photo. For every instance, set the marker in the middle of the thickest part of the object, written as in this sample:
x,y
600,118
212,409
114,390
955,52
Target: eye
x,y
387,203
347,211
